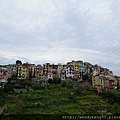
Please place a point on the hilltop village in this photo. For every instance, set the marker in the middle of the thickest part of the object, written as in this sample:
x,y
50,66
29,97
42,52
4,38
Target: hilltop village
x,y
99,77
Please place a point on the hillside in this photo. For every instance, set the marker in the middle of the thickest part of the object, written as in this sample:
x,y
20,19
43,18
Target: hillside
x,y
59,99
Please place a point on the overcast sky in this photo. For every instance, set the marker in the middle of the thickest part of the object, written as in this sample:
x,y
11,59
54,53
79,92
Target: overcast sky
x,y
58,31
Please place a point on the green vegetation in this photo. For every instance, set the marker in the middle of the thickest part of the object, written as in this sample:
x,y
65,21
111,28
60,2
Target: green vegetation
x,y
87,78
113,98
54,81
60,98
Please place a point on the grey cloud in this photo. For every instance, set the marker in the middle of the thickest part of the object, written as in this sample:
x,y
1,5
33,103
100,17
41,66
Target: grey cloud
x,y
44,30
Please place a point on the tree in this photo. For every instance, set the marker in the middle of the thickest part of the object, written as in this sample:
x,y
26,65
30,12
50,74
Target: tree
x,y
55,80
85,77
1,91
64,84
49,81
2,101
115,109
8,87
79,91
18,62
59,81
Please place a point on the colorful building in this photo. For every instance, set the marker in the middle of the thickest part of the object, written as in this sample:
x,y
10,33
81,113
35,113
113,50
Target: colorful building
x,y
99,82
70,71
23,71
45,68
3,76
38,71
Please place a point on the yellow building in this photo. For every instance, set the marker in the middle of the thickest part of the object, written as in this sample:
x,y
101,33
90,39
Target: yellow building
x,y
99,82
23,72
46,68
77,66
59,70
32,70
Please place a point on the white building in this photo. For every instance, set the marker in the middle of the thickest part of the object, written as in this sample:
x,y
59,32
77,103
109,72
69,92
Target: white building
x,y
95,72
69,72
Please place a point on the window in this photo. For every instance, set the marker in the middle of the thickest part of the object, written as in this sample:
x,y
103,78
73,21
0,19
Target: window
x,y
101,81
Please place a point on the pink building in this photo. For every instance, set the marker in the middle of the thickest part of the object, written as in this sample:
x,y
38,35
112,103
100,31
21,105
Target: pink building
x,y
54,70
77,76
38,71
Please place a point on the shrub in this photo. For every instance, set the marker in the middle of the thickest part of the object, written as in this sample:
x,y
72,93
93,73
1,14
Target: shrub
x,y
59,81
64,84
92,89
113,97
1,91
79,91
115,109
49,81
8,87
85,77
36,86
55,80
